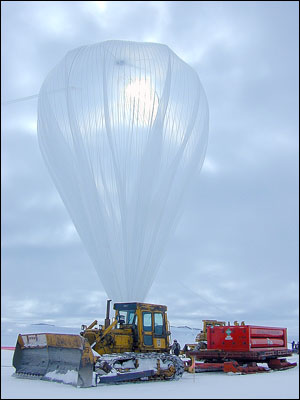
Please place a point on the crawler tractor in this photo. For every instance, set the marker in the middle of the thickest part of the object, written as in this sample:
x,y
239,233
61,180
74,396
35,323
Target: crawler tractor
x,y
201,338
134,346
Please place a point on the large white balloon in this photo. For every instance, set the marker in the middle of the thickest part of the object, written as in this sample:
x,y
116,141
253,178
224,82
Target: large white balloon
x,y
123,128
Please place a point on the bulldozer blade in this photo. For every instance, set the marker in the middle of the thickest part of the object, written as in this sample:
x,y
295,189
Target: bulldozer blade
x,y
54,357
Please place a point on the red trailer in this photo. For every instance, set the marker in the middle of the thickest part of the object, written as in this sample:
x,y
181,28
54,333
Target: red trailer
x,y
246,338
238,348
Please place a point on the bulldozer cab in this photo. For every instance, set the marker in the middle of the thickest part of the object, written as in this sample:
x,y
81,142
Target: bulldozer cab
x,y
212,322
149,324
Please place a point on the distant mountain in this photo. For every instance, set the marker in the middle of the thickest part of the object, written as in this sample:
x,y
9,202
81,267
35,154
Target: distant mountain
x,y
9,332
185,327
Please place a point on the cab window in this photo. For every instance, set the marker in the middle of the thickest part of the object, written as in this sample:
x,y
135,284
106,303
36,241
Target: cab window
x,y
158,323
128,316
147,321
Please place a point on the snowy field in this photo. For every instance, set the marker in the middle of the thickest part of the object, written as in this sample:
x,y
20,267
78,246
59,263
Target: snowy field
x,y
215,385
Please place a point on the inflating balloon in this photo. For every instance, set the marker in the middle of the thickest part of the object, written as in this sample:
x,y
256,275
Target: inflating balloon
x,y
123,128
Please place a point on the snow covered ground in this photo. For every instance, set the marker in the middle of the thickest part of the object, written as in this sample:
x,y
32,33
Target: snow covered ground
x,y
216,385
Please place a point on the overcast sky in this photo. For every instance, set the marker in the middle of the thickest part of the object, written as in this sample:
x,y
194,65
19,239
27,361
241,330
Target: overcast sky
x,y
234,255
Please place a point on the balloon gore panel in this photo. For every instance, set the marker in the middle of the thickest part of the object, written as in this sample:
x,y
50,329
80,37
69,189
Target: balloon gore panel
x,y
123,128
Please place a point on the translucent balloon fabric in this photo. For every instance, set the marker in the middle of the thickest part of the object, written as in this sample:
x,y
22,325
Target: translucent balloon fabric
x,y
123,127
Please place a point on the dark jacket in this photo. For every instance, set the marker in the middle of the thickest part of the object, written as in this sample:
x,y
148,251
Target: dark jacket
x,y
176,348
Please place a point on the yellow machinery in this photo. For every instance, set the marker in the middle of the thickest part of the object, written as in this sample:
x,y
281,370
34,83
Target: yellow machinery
x,y
134,346
201,338
137,327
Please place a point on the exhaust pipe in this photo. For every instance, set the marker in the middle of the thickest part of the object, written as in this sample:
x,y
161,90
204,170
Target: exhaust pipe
x,y
107,319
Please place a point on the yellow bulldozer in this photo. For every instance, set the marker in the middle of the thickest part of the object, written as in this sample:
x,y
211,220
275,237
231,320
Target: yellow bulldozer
x,y
134,346
201,338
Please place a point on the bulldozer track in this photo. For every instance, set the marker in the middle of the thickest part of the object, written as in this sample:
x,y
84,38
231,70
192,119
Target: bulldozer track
x,y
172,364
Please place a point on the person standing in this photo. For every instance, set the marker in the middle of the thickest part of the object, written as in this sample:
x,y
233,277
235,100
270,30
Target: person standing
x,y
175,348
